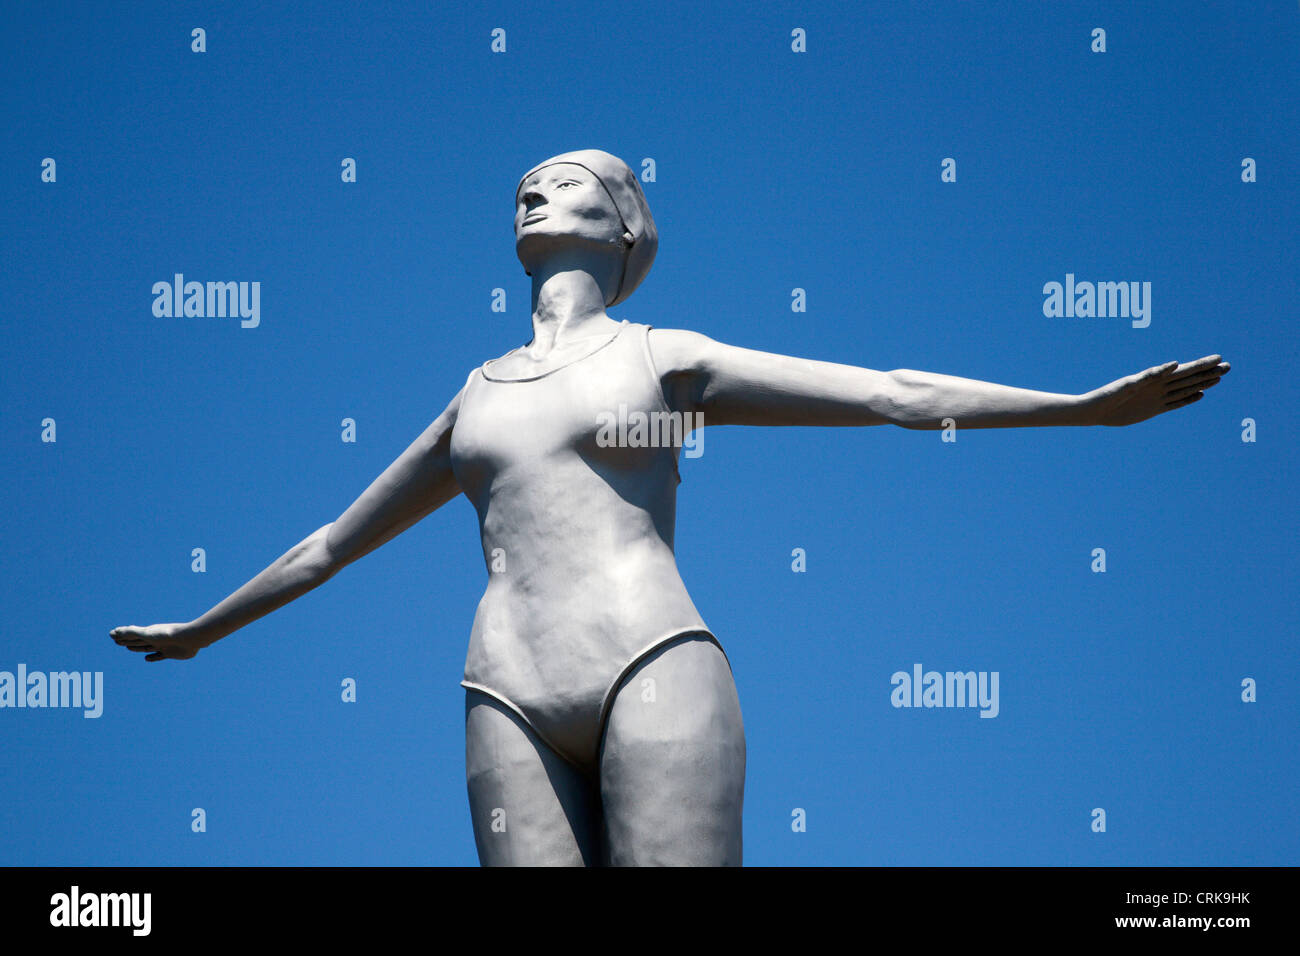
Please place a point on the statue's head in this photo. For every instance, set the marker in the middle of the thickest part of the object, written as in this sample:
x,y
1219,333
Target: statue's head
x,y
586,198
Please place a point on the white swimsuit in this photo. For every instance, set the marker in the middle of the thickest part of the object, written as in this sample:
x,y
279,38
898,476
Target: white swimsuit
x,y
580,533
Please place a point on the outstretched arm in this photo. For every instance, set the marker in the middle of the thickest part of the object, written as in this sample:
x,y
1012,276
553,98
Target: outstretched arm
x,y
419,481
736,386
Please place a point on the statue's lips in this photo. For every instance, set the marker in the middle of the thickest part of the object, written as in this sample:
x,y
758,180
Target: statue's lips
x,y
533,217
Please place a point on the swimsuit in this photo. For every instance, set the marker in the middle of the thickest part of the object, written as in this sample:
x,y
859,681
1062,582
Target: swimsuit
x,y
577,534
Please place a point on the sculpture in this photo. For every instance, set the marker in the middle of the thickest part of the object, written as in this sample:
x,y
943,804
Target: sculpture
x,y
602,722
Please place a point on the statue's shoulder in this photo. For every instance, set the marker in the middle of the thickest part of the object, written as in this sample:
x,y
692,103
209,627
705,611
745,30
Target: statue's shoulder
x,y
676,350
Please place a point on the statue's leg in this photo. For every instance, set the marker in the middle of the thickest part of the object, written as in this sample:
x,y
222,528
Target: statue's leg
x,y
672,766
529,806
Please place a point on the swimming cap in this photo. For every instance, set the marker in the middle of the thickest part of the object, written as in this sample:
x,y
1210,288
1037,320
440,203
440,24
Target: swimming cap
x,y
621,184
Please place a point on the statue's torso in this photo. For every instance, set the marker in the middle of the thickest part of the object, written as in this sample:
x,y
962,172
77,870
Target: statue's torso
x,y
577,536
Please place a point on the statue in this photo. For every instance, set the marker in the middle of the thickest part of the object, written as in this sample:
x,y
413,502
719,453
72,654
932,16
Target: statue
x,y
602,725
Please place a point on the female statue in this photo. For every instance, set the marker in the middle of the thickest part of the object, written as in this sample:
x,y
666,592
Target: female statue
x,y
602,722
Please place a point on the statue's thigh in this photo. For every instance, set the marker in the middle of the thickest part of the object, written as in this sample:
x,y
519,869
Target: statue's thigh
x,y
529,807
672,765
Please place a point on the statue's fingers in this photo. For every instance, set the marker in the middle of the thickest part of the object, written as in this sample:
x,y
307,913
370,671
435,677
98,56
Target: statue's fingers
x,y
154,657
1181,393
139,648
1192,375
1208,361
1181,388
1196,397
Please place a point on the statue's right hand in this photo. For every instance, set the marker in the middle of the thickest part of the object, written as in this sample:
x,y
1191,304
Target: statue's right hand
x,y
158,641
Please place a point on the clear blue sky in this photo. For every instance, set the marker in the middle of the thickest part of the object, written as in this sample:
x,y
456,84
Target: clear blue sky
x,y
775,170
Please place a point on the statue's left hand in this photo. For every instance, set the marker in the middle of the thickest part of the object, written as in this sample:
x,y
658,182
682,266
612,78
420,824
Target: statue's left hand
x,y
1162,388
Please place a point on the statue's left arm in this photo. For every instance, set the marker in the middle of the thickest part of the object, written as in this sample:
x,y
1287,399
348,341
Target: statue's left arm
x,y
737,386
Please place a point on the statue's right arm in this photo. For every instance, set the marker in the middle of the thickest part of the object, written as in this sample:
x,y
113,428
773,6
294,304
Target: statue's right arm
x,y
418,482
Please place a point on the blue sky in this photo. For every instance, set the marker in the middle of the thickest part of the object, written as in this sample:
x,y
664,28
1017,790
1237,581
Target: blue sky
x,y
774,170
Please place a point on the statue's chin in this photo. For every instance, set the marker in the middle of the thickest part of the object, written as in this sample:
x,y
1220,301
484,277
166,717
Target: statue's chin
x,y
535,250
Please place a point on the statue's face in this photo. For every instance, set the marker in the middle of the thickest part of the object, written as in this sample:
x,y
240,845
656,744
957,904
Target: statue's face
x,y
564,200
